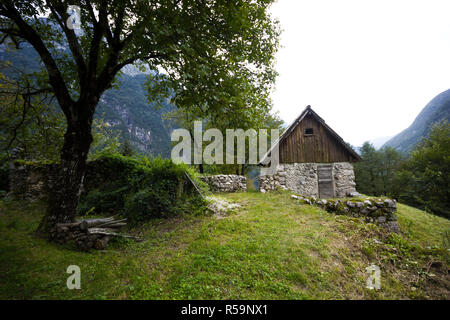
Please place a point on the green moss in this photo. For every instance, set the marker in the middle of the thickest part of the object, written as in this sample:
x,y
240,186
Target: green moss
x,y
35,164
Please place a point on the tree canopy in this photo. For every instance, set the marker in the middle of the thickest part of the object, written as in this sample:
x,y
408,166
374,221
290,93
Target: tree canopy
x,y
213,55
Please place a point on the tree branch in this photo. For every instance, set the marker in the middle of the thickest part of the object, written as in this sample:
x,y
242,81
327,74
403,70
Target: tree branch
x,y
99,30
26,32
74,45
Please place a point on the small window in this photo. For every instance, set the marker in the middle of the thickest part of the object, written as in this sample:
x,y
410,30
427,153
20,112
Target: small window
x,y
309,131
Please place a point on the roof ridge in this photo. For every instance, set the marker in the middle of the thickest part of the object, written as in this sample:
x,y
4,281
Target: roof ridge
x,y
294,124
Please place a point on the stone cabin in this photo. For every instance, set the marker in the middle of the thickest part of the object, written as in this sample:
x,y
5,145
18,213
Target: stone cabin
x,y
313,160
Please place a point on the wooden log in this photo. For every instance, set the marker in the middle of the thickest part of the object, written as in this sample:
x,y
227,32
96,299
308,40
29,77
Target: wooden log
x,y
102,243
109,223
68,225
193,183
61,229
109,232
103,231
113,225
89,223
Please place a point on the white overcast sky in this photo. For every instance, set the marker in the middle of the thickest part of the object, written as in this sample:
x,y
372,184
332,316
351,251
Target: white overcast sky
x,y
367,67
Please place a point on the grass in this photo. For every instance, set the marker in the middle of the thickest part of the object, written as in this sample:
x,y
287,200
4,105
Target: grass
x,y
271,248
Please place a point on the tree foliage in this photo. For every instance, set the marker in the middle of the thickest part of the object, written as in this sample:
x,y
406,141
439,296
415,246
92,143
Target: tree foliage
x,y
420,180
375,174
423,181
127,149
32,127
28,123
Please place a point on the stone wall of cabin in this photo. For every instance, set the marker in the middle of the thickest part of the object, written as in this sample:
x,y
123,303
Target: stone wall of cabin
x,y
302,178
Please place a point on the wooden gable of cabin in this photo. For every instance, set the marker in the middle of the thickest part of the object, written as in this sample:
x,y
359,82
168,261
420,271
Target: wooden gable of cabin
x,y
310,139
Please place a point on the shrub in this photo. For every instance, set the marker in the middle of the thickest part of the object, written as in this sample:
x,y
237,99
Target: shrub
x,y
139,187
149,203
98,201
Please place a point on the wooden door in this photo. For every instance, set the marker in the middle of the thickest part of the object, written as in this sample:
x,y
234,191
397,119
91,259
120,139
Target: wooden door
x,y
325,177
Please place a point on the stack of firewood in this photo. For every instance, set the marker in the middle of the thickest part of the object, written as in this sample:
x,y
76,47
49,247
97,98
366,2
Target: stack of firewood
x,y
90,233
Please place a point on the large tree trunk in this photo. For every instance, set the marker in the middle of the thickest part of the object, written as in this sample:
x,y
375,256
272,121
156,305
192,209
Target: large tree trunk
x,y
66,187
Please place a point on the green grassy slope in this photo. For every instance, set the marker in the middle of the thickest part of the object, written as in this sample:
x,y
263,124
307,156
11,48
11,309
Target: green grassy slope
x,y
271,248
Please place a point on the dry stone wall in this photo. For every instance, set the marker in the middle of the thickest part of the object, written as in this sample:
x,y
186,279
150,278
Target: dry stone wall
x,y
225,183
33,181
302,178
30,182
372,210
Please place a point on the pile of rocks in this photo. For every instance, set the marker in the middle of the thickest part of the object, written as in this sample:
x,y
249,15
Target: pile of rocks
x,y
373,210
221,207
225,182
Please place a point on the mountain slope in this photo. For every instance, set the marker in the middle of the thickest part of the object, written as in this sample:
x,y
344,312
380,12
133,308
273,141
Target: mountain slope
x,y
435,111
128,111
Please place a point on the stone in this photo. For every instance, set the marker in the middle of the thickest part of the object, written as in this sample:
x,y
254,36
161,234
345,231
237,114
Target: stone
x,y
226,183
364,211
392,226
389,203
381,219
377,241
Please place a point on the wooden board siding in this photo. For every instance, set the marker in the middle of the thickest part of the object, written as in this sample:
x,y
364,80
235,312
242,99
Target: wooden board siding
x,y
320,147
325,181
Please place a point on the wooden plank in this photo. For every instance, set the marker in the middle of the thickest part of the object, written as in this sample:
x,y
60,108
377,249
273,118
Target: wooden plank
x,y
325,181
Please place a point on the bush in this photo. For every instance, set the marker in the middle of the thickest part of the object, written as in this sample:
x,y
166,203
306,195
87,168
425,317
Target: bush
x,y
149,203
139,187
98,201
424,179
